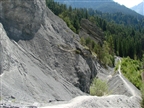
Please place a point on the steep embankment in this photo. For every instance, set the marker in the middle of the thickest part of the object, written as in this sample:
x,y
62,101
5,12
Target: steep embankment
x,y
90,30
39,62
120,85
125,94
25,77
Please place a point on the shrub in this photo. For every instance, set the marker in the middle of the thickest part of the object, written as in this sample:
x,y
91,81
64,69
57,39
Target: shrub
x,y
132,70
82,41
88,42
98,87
104,53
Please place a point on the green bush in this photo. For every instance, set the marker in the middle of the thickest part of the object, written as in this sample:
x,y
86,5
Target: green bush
x,y
98,87
132,70
82,41
104,53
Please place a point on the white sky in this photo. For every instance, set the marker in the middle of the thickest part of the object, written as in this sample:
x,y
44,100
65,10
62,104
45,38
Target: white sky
x,y
128,3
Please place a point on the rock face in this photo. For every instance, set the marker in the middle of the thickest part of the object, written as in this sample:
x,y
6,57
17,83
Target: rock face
x,y
22,19
91,30
27,78
39,62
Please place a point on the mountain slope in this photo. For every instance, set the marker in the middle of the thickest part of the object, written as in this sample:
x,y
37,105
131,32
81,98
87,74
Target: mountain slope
x,y
26,78
125,95
41,59
106,6
39,62
89,30
139,8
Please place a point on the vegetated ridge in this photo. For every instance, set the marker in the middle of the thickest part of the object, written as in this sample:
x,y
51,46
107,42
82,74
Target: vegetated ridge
x,y
105,6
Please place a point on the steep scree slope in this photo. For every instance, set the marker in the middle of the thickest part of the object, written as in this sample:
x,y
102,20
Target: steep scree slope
x,y
38,62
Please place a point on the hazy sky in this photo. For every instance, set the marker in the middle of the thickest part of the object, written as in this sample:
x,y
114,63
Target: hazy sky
x,y
128,3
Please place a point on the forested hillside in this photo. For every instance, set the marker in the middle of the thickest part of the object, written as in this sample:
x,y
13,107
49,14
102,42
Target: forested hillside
x,y
119,18
124,33
105,6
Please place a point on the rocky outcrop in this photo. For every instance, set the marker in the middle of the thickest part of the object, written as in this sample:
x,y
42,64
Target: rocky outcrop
x,y
27,78
39,62
22,19
91,30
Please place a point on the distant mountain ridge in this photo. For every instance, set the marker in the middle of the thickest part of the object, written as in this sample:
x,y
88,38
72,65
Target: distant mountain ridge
x,y
139,8
106,6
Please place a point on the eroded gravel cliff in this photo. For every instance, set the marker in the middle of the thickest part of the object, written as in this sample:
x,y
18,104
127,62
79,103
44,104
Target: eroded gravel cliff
x,y
38,54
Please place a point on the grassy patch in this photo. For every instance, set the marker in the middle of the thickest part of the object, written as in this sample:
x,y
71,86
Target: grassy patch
x,y
98,87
